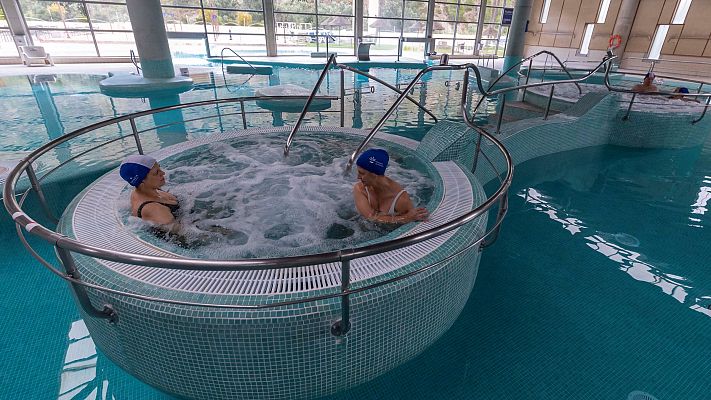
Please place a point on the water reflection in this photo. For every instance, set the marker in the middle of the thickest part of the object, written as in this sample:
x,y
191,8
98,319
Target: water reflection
x,y
614,247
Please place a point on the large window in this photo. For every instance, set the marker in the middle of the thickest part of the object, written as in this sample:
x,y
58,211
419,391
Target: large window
x,y
198,28
305,26
386,21
7,45
80,28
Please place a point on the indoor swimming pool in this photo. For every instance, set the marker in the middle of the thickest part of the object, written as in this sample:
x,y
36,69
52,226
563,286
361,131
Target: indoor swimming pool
x,y
598,287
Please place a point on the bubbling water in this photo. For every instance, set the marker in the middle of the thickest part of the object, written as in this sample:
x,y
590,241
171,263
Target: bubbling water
x,y
241,198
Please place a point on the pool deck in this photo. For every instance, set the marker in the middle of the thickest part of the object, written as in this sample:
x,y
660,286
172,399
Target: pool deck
x,y
285,61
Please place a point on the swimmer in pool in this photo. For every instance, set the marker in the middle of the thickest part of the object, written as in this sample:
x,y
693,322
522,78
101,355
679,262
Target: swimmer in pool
x,y
148,202
379,198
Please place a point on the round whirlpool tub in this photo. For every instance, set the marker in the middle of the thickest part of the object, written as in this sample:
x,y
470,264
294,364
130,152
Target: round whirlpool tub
x,y
220,349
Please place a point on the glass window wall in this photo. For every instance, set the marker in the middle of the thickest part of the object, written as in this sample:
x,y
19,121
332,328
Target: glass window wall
x,y
7,45
306,26
389,24
199,28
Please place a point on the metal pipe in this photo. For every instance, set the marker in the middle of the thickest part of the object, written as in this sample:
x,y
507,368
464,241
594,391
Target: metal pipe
x,y
107,312
494,234
528,76
135,135
342,326
343,98
400,99
331,60
629,108
708,100
389,86
501,114
34,182
244,117
548,106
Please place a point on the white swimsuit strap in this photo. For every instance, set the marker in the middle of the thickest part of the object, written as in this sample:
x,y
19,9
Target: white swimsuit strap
x,y
391,211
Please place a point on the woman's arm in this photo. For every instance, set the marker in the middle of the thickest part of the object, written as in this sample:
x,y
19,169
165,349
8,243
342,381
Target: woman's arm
x,y
157,213
407,213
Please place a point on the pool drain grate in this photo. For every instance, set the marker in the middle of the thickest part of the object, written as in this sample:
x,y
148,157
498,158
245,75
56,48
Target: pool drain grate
x,y
640,395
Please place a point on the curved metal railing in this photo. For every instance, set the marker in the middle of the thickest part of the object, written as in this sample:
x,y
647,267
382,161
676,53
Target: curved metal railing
x,y
485,93
634,93
333,63
66,247
134,61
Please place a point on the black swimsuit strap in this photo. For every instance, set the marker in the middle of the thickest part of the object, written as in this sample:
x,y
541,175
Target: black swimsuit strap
x,y
173,207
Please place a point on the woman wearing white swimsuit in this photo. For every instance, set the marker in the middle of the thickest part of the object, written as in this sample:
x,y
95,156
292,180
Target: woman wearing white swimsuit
x,y
379,198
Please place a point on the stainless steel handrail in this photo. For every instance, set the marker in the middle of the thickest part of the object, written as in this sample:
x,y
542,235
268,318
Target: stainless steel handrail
x,y
32,226
611,88
389,86
66,246
222,59
484,93
134,60
290,138
530,59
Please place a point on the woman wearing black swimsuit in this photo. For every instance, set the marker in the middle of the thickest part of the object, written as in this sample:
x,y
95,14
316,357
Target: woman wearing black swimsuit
x,y
148,202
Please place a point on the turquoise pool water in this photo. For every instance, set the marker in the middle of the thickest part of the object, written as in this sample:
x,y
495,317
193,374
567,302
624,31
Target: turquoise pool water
x,y
597,287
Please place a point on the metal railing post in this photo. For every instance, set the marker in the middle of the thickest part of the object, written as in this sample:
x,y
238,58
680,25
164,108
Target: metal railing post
x,y
342,326
700,86
135,135
493,235
331,60
627,115
706,107
244,116
476,154
34,182
70,268
548,106
501,114
343,98
528,76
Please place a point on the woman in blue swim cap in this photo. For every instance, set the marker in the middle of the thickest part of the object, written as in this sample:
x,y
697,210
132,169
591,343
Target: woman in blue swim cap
x,y
148,202
379,198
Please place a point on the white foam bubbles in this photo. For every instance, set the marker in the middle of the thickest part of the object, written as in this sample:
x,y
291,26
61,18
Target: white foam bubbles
x,y
243,199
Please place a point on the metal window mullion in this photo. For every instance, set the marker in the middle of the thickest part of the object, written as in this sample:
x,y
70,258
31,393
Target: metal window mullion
x,y
429,27
91,29
204,28
480,28
357,24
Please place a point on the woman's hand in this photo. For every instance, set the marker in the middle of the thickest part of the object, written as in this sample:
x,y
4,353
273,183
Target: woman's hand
x,y
419,214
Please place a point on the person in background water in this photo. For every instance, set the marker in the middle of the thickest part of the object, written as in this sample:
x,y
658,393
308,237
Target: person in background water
x,y
682,91
148,202
647,84
379,198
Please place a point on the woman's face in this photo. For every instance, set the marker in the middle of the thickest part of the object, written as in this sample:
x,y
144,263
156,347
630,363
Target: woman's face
x,y
155,178
366,177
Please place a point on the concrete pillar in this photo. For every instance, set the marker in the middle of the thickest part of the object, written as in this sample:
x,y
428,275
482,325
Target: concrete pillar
x,y
151,38
517,34
269,28
623,25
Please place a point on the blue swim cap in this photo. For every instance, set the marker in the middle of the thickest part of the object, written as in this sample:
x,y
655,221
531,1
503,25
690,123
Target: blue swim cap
x,y
374,160
135,168
683,90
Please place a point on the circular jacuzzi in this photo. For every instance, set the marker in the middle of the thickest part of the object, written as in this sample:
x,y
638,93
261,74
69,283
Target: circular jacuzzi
x,y
212,351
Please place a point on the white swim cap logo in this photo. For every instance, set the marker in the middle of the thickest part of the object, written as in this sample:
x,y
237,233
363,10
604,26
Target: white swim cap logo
x,y
373,160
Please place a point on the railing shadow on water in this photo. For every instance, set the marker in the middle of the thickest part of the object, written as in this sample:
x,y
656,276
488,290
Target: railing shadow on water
x,y
66,248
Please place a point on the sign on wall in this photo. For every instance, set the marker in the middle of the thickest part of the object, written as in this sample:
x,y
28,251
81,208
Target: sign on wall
x,y
508,16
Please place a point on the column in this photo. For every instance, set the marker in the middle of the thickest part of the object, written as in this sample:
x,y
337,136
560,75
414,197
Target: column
x,y
623,25
269,28
517,34
151,38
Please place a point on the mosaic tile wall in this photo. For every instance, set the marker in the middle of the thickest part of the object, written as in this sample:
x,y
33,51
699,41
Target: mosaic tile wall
x,y
289,352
